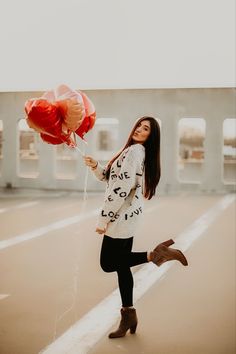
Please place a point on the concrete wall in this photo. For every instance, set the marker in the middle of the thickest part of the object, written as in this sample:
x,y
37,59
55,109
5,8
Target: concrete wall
x,y
169,105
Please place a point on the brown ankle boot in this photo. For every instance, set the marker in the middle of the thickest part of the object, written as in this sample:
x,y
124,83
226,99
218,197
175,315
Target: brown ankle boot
x,y
162,253
128,321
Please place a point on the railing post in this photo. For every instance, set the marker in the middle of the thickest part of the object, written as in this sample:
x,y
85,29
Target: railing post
x,y
213,162
47,165
10,151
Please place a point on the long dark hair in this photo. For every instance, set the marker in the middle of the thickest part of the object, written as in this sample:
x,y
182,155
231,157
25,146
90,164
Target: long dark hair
x,y
152,164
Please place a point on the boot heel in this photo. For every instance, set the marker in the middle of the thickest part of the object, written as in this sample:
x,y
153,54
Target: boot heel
x,y
168,243
133,329
182,258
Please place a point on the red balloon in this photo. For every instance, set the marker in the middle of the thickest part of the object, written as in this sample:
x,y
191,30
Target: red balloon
x,y
51,139
86,125
45,117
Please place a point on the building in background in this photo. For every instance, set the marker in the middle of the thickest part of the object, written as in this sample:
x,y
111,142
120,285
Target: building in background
x,y
198,140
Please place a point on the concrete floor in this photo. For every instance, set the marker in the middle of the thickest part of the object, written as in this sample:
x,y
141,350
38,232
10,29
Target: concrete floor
x,y
51,277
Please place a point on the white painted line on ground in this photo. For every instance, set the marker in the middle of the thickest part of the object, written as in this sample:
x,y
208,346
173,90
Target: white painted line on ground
x,y
82,336
54,226
199,226
3,296
26,205
19,206
45,229
54,210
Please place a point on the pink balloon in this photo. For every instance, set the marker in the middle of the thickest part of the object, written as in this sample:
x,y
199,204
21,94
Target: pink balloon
x,y
89,107
72,107
49,96
89,120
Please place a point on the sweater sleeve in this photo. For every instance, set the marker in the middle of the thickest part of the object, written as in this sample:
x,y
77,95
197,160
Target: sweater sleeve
x,y
100,173
120,189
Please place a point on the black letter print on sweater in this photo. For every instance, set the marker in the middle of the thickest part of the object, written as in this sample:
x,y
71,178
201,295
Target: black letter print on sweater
x,y
113,174
121,194
123,175
109,198
137,186
111,214
136,212
118,163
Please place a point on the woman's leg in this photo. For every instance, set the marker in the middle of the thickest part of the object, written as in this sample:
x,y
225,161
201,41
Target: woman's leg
x,y
126,285
117,253
127,257
116,256
112,253
108,251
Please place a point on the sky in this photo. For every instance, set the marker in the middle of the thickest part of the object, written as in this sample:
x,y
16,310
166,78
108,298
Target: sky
x,y
115,44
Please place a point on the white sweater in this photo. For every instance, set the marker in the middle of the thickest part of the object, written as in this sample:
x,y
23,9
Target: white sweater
x,y
123,203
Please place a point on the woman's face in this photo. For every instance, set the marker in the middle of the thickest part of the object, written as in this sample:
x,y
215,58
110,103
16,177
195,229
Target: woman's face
x,y
142,132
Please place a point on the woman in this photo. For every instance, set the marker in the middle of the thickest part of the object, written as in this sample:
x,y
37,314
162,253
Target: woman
x,y
133,173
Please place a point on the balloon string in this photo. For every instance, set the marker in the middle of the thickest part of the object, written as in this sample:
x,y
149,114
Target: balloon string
x,y
74,292
85,195
78,149
86,173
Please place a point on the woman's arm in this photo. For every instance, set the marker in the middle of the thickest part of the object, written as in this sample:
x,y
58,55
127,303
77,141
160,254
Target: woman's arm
x,y
98,170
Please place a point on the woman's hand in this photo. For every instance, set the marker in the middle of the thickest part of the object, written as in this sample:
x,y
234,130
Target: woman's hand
x,y
89,161
100,231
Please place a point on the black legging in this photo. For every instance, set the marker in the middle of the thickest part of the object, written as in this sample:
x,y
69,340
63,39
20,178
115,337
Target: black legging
x,y
116,256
